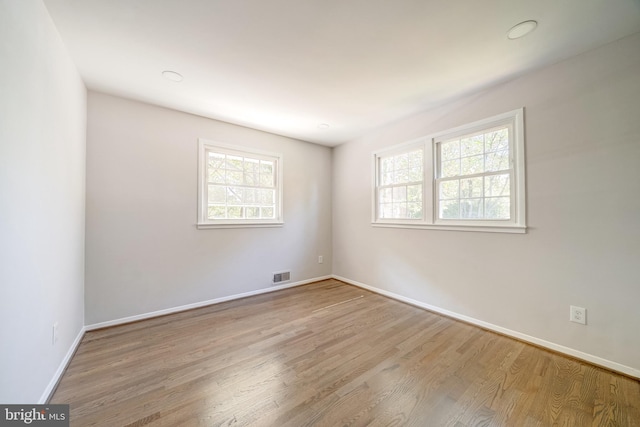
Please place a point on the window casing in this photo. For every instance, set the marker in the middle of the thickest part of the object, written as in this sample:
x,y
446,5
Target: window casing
x,y
238,186
473,179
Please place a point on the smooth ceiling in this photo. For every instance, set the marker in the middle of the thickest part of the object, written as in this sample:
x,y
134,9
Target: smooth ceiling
x,y
285,66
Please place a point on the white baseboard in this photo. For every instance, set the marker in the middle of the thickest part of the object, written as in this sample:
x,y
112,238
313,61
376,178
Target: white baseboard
x,y
199,304
595,360
48,392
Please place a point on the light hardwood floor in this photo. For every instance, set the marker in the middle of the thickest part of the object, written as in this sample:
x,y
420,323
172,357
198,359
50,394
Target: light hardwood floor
x,y
330,354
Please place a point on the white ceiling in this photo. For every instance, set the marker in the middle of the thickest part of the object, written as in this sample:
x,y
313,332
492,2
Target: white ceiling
x,y
284,66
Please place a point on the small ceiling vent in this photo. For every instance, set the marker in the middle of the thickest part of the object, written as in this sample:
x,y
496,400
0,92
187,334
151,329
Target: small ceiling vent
x,y
283,276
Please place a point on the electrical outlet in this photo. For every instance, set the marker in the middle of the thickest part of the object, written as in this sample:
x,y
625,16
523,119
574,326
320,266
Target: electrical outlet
x,y
578,314
54,336
320,259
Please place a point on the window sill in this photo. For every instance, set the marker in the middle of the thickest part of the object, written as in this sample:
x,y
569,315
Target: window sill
x,y
204,226
514,229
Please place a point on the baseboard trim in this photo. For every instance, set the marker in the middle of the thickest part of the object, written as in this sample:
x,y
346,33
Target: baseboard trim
x,y
586,357
186,307
48,392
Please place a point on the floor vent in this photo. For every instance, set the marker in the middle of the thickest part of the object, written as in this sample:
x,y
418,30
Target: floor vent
x,y
283,276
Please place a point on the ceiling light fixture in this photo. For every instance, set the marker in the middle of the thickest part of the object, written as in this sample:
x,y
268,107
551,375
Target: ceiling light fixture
x,y
323,126
173,76
521,29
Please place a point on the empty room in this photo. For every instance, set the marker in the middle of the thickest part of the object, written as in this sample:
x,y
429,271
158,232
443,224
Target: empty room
x,y
320,213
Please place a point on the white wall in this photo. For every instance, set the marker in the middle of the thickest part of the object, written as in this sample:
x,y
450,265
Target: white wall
x,y
42,153
583,244
143,250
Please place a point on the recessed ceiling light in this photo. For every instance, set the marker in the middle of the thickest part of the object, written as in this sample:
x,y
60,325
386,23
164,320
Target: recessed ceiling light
x,y
521,29
323,126
172,75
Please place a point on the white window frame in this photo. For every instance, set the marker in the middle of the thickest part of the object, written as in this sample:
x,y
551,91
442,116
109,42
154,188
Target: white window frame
x,y
517,222
204,147
411,146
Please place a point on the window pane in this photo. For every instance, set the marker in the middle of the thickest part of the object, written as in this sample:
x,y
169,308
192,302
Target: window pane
x,y
414,210
471,165
401,161
471,187
250,179
234,177
450,150
217,212
400,210
216,160
234,195
387,178
450,189
402,168
251,168
386,195
471,208
415,175
266,167
216,176
401,176
386,165
450,168
449,209
472,146
215,168
217,194
497,161
234,163
234,212
416,160
267,212
266,180
251,165
414,193
399,194
266,197
497,140
496,185
386,210
250,196
252,212
497,208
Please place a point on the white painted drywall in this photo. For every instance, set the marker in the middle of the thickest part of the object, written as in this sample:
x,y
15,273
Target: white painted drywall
x,y
143,250
42,179
582,122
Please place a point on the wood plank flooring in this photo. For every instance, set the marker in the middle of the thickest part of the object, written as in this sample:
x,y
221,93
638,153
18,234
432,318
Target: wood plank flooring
x,y
330,354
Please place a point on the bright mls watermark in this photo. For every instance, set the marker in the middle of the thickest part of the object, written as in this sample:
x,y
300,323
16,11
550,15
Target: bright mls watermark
x,y
34,415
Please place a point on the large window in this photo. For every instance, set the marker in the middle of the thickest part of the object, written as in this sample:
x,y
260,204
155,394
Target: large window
x,y
474,176
467,178
238,186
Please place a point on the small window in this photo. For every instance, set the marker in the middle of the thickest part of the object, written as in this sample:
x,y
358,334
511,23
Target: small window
x,y
469,178
239,187
400,185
